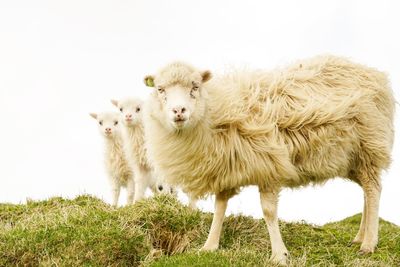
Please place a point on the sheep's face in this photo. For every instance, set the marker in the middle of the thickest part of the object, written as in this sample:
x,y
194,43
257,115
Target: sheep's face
x,y
108,123
131,111
178,90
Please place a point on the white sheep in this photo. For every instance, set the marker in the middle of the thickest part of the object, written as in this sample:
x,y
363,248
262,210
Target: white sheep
x,y
318,119
133,139
117,167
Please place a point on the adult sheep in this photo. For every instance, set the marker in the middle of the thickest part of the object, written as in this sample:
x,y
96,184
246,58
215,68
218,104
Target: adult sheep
x,y
318,119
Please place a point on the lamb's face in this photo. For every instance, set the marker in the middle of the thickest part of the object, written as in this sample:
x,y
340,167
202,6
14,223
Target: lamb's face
x,y
178,90
108,123
131,111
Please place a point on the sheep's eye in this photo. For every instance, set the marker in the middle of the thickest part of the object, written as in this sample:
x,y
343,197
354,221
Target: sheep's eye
x,y
195,86
137,109
115,122
121,109
101,122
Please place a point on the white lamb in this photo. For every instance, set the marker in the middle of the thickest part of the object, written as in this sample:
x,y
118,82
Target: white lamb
x,y
133,139
119,172
318,119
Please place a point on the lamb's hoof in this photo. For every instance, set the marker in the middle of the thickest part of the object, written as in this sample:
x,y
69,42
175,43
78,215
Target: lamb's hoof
x,y
211,247
280,258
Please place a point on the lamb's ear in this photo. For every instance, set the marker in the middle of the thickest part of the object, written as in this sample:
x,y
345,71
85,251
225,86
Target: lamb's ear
x,y
93,115
114,102
149,81
205,76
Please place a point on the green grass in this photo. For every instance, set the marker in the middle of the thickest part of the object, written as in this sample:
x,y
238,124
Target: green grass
x,y
162,232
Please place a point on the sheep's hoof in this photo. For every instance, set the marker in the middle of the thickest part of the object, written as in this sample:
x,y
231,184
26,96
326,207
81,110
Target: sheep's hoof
x,y
366,250
353,242
211,247
280,258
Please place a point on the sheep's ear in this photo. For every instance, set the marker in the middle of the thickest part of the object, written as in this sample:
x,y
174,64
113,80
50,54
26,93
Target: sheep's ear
x,y
114,102
205,76
149,81
93,115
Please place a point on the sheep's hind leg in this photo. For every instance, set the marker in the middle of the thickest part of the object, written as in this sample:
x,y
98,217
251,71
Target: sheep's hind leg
x,y
269,204
361,232
372,191
221,202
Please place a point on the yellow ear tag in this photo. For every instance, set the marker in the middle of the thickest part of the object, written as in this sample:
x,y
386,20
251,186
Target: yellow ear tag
x,y
150,82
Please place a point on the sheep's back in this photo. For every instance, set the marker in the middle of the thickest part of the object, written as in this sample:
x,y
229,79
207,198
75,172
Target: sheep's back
x,y
328,112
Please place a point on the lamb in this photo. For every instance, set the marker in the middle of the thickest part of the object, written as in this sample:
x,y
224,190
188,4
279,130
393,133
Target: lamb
x,y
133,138
117,167
317,119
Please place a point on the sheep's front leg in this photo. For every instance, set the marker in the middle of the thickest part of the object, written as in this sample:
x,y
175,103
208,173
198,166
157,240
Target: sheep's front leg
x,y
115,190
269,204
130,188
212,243
141,183
192,202
372,193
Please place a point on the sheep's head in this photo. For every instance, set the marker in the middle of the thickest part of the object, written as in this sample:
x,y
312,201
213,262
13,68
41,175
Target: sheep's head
x,y
131,110
108,123
178,90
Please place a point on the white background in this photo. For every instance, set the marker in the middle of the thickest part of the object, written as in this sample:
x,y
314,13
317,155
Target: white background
x,y
60,60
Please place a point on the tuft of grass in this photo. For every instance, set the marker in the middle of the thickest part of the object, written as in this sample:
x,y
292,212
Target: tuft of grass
x,y
83,231
162,232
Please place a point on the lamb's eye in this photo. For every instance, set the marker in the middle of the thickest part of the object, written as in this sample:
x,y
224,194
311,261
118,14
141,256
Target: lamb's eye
x,y
121,109
115,122
137,109
101,122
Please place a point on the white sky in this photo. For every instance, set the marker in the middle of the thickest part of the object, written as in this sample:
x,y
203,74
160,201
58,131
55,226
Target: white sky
x,y
60,60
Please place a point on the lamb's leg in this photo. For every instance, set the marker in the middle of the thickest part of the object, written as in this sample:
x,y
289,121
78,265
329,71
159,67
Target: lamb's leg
x,y
212,243
269,204
360,234
115,190
141,183
372,191
130,188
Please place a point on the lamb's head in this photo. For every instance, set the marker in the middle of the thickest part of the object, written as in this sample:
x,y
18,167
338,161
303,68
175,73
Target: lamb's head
x,y
108,123
131,110
178,96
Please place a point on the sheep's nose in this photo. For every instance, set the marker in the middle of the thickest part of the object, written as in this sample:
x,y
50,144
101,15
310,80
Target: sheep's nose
x,y
179,111
108,130
128,116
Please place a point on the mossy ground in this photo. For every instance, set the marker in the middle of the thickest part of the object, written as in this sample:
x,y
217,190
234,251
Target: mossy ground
x,y
162,232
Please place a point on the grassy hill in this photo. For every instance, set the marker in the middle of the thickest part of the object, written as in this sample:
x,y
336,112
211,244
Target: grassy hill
x,y
162,232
